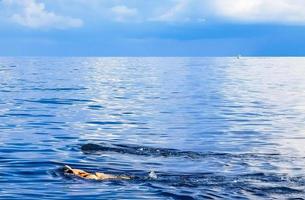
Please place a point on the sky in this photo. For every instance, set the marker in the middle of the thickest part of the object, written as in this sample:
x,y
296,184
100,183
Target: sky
x,y
152,27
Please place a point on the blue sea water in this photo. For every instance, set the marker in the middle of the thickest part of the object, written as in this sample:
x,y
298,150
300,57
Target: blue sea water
x,y
210,128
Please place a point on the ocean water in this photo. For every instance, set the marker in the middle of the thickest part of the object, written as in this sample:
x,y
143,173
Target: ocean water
x,y
210,128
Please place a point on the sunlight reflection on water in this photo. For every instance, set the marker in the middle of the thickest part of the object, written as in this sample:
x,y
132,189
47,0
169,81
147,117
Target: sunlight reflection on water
x,y
246,116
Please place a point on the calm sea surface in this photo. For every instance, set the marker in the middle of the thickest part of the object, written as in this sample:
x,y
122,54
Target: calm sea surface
x,y
210,128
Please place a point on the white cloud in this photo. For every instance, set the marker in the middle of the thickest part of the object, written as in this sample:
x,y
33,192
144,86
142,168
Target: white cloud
x,y
37,13
246,11
33,14
123,13
176,13
261,11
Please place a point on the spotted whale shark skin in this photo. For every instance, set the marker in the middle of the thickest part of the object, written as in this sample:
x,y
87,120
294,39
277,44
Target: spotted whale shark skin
x,y
138,150
161,152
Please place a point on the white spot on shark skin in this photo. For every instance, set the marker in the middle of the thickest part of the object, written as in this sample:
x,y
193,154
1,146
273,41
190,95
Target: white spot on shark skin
x,y
152,175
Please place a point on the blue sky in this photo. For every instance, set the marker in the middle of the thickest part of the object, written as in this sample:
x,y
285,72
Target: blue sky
x,y
152,27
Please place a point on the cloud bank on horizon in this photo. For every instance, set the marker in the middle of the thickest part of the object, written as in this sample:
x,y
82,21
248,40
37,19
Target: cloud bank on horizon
x,y
191,26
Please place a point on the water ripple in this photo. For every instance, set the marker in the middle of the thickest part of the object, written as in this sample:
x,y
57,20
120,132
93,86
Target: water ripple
x,y
210,128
